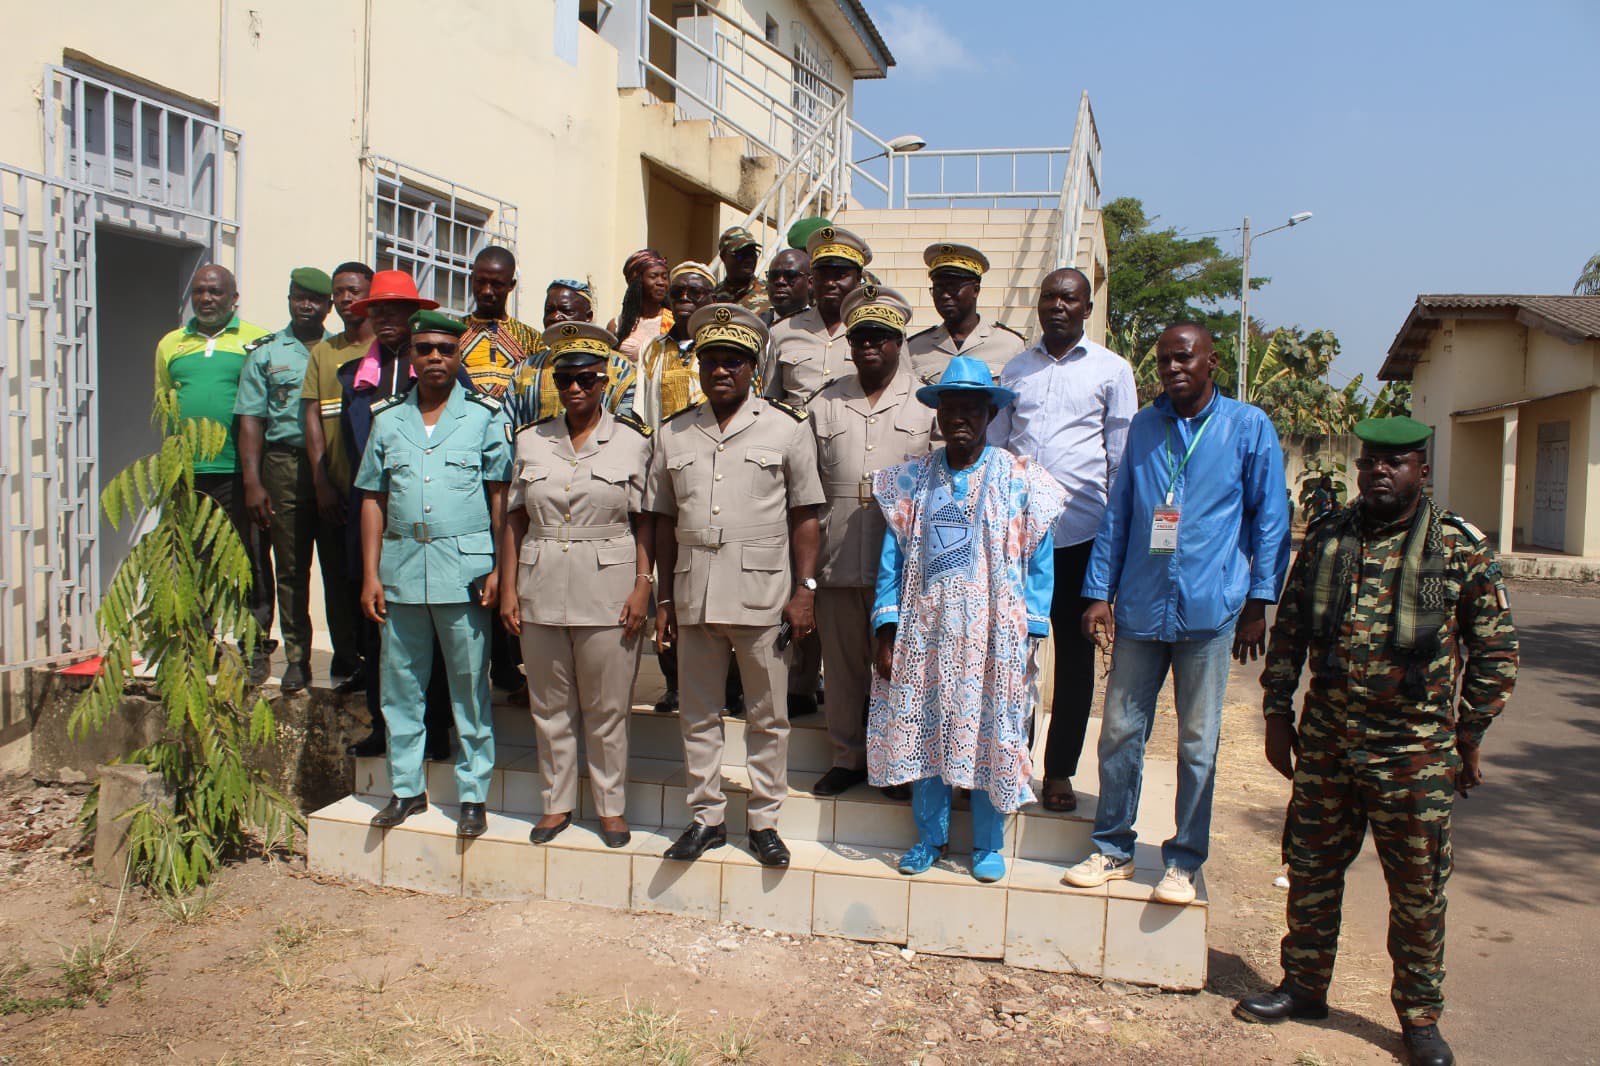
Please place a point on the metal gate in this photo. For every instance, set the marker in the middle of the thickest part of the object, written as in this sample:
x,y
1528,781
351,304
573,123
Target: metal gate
x,y
49,481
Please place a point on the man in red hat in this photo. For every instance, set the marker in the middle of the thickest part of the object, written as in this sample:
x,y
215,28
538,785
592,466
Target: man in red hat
x,y
383,371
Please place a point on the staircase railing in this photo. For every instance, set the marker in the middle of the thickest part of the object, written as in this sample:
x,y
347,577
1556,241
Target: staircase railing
x,y
810,183
1080,188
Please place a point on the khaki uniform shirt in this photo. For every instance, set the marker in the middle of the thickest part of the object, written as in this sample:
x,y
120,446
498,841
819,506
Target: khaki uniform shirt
x,y
854,441
576,565
802,357
932,349
730,492
322,385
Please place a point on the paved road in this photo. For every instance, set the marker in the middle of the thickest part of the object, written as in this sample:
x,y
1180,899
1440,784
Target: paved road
x,y
1524,921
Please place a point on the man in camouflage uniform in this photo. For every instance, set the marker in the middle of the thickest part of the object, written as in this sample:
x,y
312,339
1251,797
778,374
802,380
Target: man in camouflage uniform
x,y
1386,598
741,284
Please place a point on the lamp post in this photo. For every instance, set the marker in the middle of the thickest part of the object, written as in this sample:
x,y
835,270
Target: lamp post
x,y
1244,294
894,147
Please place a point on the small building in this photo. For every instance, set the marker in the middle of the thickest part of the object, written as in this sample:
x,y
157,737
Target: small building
x,y
1510,384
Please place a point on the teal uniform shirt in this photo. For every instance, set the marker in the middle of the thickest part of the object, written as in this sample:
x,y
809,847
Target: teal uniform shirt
x,y
270,383
437,541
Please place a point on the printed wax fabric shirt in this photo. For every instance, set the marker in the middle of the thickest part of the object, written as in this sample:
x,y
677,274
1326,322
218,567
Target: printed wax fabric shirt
x,y
492,349
1233,527
1071,416
993,343
204,370
270,386
802,356
322,386
854,441
730,492
576,566
437,540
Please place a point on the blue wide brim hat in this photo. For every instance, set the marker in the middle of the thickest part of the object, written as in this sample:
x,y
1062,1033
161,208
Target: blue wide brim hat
x,y
966,375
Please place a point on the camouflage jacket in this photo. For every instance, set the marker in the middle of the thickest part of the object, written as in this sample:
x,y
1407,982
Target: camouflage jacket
x,y
753,298
1357,698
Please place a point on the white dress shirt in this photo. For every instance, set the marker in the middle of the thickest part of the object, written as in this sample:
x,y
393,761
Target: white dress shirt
x,y
1071,415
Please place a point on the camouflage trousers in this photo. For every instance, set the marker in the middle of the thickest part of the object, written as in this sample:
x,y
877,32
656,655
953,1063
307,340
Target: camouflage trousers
x,y
1406,799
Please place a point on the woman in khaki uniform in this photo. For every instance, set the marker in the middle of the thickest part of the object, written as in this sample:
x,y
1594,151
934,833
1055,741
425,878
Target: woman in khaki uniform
x,y
584,553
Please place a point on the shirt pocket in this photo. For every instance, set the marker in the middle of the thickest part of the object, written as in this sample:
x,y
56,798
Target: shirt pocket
x,y
680,468
525,487
399,471
527,559
609,488
766,573
763,472
283,385
465,469
830,445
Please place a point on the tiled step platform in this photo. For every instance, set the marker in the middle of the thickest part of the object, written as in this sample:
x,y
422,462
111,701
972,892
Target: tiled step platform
x,y
841,882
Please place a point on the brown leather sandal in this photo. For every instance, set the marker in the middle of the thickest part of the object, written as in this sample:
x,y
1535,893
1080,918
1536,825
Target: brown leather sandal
x,y
1059,797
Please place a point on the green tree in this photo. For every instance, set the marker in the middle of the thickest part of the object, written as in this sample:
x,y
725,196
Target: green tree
x,y
183,589
1588,283
1156,276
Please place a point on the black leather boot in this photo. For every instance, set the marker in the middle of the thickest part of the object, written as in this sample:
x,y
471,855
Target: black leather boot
x,y
1279,1004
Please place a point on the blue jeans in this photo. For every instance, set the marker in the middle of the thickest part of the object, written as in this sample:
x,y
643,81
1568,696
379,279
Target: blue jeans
x,y
930,807
1200,678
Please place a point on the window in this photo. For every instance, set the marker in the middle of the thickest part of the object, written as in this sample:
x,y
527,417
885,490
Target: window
x,y
772,31
813,71
432,229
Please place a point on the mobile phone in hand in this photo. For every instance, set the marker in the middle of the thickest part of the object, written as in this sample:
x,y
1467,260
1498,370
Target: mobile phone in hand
x,y
785,635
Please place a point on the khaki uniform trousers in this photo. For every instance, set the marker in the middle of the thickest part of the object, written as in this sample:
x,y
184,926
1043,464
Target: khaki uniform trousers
x,y
703,652
582,672
844,622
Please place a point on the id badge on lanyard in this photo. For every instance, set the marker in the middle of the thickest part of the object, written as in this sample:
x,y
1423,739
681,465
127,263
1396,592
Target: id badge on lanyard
x,y
1164,519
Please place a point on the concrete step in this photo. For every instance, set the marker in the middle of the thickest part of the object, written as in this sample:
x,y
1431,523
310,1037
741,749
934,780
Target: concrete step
x,y
950,216
1028,919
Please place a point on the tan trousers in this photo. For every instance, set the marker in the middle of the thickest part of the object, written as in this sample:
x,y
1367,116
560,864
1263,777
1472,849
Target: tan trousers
x,y
844,621
587,672
702,672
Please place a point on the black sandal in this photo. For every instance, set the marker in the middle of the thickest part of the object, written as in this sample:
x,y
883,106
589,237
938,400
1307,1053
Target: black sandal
x,y
1058,798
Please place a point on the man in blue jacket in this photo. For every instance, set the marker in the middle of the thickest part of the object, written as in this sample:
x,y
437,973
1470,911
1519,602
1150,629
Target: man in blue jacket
x,y
1193,547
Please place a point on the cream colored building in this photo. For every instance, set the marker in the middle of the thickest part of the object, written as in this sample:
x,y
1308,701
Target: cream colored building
x,y
1511,387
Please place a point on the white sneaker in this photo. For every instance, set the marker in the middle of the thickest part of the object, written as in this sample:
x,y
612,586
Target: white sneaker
x,y
1177,886
1096,870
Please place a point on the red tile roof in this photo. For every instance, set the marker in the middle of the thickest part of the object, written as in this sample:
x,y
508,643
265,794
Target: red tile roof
x,y
1573,318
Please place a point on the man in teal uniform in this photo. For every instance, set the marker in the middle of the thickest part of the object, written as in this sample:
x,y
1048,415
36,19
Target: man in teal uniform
x,y
428,535
278,492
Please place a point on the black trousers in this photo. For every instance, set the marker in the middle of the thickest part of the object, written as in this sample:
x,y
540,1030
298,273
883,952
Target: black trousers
x,y
1074,673
227,491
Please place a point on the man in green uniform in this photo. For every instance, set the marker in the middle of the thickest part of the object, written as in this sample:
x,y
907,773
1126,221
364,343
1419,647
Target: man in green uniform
x,y
428,534
741,284
1386,598
278,492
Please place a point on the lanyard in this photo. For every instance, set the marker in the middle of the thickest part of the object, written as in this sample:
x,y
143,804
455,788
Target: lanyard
x,y
1177,467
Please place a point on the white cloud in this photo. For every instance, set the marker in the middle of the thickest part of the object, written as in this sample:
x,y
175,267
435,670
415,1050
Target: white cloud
x,y
922,46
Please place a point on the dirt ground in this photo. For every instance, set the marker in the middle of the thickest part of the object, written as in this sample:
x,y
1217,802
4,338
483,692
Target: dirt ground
x,y
276,965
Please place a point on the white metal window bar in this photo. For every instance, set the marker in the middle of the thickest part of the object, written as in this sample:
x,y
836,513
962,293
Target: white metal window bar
x,y
432,228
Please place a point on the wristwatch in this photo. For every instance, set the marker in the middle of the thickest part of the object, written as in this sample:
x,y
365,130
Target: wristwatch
x,y
809,583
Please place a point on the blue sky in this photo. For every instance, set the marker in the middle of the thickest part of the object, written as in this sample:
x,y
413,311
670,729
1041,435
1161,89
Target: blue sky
x,y
1445,147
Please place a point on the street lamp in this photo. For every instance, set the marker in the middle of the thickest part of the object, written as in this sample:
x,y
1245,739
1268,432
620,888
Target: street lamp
x,y
1244,293
904,144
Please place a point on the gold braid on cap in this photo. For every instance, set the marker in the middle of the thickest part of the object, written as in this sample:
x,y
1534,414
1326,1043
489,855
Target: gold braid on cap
x,y
840,251
877,314
947,256
568,339
724,330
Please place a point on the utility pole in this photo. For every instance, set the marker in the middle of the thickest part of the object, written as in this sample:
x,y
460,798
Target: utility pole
x,y
1244,319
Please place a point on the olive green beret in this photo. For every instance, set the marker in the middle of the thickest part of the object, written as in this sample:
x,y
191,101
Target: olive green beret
x,y
801,231
1393,432
312,280
437,322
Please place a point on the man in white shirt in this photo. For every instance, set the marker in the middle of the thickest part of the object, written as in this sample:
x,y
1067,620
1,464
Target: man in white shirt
x,y
1075,399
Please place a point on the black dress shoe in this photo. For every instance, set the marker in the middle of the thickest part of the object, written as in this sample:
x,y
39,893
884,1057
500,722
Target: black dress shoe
x,y
668,703
399,809
260,668
343,667
473,821
546,835
801,704
296,676
615,838
510,680
1277,1005
902,793
374,743
733,705
1425,1047
837,780
356,682
696,840
769,847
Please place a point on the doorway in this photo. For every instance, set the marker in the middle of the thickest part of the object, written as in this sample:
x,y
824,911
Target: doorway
x,y
1550,486
140,286
680,218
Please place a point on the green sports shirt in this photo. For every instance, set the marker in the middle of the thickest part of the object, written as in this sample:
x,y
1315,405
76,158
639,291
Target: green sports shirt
x,y
204,370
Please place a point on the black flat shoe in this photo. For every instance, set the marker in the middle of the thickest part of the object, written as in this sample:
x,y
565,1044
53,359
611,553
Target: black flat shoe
x,y
1425,1047
546,835
356,682
399,809
801,704
696,841
1278,1005
368,746
296,676
837,780
769,847
668,703
615,838
901,793
473,821
733,705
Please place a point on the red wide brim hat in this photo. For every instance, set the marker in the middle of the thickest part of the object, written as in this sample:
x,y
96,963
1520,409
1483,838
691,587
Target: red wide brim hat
x,y
390,286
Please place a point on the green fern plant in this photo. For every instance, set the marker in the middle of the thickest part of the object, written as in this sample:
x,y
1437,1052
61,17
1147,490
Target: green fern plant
x,y
184,588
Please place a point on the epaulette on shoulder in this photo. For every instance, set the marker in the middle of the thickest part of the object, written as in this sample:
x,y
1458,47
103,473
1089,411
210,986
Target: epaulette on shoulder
x,y
819,389
388,403
485,401
633,422
1321,520
535,422
266,338
923,332
1472,532
680,414
796,413
1014,333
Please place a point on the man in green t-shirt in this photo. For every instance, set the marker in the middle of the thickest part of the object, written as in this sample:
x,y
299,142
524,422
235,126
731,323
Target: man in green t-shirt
x,y
201,361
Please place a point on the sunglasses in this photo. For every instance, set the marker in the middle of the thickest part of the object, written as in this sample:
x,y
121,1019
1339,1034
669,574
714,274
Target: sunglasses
x,y
429,347
585,380
785,275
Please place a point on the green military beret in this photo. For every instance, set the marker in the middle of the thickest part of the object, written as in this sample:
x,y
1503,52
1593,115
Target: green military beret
x,y
312,280
801,231
437,322
1393,432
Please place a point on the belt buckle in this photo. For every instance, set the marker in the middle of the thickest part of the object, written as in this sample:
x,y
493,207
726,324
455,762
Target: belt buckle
x,y
715,538
864,491
419,533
